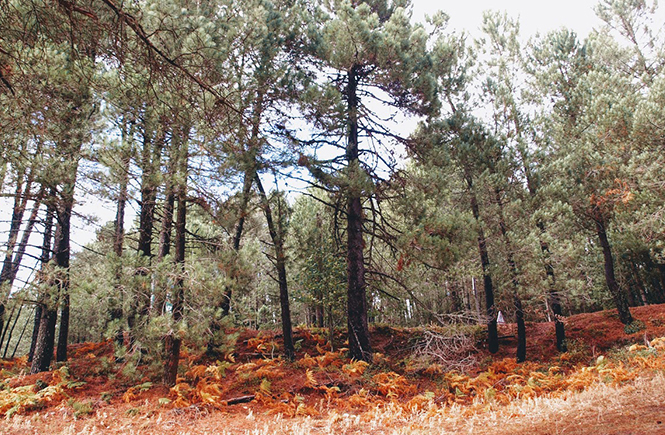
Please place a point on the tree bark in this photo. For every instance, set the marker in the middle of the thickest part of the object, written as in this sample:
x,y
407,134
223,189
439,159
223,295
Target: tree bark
x,y
116,300
617,293
492,331
167,226
246,188
172,340
43,259
150,161
514,278
358,330
280,264
41,360
20,203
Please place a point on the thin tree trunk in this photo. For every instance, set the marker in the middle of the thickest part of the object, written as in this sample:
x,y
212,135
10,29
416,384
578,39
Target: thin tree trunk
x,y
514,278
20,337
552,293
20,203
117,297
4,332
280,264
25,238
246,188
164,248
617,293
358,330
11,332
172,340
150,162
35,331
492,332
43,299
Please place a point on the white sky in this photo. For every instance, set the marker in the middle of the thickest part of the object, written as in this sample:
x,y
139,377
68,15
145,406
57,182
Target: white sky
x,y
534,16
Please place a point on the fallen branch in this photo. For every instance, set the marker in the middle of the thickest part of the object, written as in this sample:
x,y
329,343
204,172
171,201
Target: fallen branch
x,y
241,399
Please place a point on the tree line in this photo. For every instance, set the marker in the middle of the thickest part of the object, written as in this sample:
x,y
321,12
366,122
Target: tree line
x,y
532,183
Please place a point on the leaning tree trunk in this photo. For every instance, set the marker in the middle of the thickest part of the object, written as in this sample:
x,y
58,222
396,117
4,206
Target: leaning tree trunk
x,y
8,276
277,237
20,203
492,331
617,293
358,330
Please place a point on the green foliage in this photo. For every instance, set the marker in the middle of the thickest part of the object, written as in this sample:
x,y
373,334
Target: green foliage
x,y
80,408
634,327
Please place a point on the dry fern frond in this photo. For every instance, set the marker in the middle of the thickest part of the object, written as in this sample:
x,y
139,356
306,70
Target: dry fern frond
x,y
355,368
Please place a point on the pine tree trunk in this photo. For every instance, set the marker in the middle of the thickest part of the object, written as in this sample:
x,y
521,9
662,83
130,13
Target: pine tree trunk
x,y
116,300
165,233
492,331
514,278
150,163
237,237
617,293
41,359
280,264
20,203
172,340
358,330
11,331
43,259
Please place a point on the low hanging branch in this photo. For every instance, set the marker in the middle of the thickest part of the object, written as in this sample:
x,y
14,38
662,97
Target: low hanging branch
x,y
136,27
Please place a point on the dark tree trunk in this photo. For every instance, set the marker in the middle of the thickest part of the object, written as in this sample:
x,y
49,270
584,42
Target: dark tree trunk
x,y
172,340
11,331
521,329
237,237
20,337
150,162
63,332
617,293
358,330
41,359
43,259
552,293
35,331
492,332
165,233
43,353
117,298
276,234
62,256
20,203
514,278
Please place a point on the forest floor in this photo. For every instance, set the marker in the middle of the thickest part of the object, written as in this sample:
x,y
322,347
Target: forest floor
x,y
611,381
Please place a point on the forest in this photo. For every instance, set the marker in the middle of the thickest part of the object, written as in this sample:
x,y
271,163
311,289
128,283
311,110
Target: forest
x,y
326,170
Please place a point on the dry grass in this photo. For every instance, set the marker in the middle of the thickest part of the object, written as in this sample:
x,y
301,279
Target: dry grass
x,y
634,408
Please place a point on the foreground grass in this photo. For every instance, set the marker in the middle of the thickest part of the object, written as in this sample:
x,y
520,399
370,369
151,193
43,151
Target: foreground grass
x,y
634,408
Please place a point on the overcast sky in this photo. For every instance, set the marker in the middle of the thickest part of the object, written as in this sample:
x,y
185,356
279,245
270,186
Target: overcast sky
x,y
534,16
